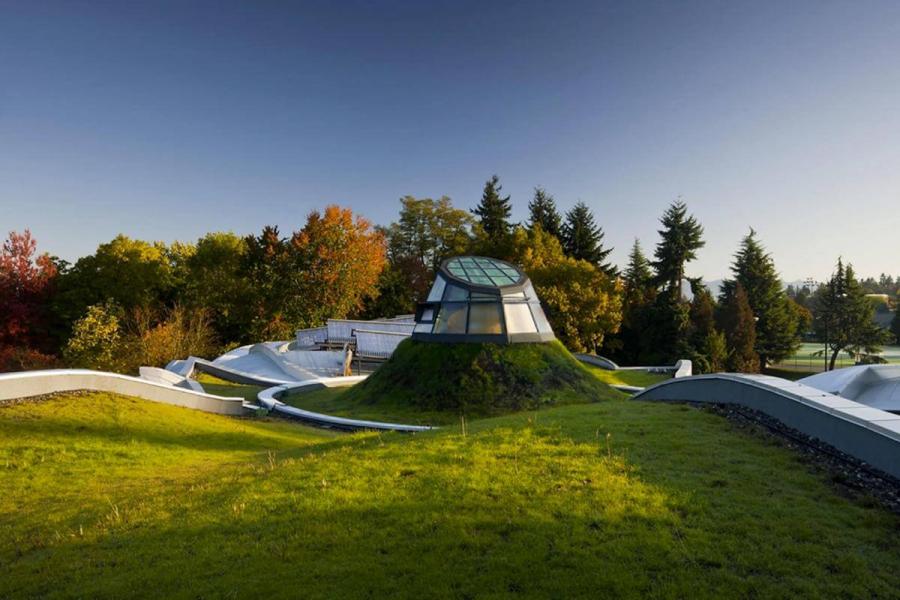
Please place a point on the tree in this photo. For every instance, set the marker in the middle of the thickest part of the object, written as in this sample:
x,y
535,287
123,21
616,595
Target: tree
x,y
131,273
544,214
494,211
428,232
777,335
95,342
336,260
26,284
681,237
583,239
632,343
216,283
638,277
895,323
844,317
582,303
739,325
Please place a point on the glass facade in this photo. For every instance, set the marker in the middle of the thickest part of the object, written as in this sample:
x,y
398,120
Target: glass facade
x,y
481,299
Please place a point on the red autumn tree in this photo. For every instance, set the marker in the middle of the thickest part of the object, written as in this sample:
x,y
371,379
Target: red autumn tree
x,y
26,282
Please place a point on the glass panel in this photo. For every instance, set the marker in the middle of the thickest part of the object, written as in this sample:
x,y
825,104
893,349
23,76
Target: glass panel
x,y
437,290
484,297
518,318
455,294
540,318
428,315
423,328
518,295
484,317
451,319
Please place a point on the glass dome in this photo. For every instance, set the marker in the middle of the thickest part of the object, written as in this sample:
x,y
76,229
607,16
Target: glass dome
x,y
477,299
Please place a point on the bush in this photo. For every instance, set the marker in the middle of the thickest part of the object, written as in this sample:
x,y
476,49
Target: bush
x,y
104,340
14,358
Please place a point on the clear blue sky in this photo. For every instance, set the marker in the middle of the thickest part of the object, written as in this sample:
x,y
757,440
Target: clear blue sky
x,y
166,120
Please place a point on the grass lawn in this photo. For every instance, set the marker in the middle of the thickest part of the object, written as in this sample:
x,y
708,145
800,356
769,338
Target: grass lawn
x,y
114,497
220,387
805,360
334,401
635,378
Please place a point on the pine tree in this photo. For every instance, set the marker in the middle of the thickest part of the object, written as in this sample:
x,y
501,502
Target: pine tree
x,y
543,213
895,323
844,317
494,210
638,276
776,326
681,236
739,325
583,238
631,345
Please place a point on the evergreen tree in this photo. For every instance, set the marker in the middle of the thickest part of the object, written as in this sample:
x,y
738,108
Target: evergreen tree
x,y
895,323
845,318
544,214
777,335
583,239
739,325
494,211
681,236
638,276
631,345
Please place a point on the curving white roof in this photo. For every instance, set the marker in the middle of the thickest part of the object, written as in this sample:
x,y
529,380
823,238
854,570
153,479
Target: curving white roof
x,y
877,386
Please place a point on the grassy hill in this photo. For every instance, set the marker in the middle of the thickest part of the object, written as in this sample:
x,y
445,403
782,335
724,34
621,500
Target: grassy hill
x,y
113,497
478,379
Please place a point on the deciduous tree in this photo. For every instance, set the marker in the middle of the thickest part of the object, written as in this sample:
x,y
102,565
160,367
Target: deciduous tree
x,y
26,284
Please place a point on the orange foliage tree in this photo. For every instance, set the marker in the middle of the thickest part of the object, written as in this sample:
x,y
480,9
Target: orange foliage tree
x,y
335,263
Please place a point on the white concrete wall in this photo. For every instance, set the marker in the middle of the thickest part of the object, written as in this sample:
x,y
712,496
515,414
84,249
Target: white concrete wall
x,y
38,383
866,433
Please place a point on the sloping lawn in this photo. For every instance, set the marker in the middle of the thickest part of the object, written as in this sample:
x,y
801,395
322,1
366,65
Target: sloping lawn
x,y
113,497
221,387
627,377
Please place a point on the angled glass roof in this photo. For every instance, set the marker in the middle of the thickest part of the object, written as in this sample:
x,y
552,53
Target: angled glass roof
x,y
477,299
483,271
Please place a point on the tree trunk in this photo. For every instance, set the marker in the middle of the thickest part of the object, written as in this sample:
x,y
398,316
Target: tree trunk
x,y
834,354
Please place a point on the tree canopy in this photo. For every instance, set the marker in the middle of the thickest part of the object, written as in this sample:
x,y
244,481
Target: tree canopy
x,y
680,238
494,211
844,317
543,213
583,239
777,335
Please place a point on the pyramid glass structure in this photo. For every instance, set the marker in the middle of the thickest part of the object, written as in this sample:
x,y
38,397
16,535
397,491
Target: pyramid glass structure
x,y
478,299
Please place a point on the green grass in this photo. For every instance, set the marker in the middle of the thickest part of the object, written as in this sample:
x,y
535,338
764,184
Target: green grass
x,y
806,360
220,387
335,401
478,379
111,497
635,378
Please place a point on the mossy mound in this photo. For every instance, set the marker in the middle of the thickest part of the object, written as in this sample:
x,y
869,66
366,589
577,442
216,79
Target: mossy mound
x,y
480,379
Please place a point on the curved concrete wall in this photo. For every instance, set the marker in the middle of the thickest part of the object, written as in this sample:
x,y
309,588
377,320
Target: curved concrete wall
x,y
38,383
269,398
866,433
